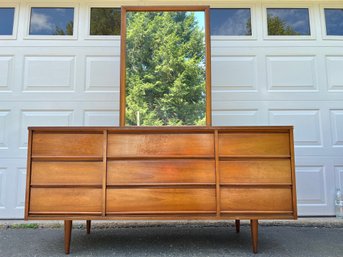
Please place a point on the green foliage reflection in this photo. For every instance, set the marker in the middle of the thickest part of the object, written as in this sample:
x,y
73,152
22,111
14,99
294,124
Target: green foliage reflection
x,y
277,27
105,21
165,69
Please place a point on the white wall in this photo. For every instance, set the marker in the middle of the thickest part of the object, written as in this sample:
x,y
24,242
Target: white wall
x,y
256,81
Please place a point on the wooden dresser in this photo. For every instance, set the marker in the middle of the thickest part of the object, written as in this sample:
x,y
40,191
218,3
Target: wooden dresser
x,y
112,173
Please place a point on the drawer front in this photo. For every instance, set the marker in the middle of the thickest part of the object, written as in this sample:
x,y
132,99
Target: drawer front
x,y
248,144
255,171
65,200
160,171
66,173
145,145
256,199
67,144
157,200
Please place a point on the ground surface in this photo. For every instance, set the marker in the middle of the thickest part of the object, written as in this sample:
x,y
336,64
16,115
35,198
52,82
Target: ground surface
x,y
174,240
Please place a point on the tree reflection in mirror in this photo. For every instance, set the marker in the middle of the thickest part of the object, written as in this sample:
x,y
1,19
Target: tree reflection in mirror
x,y
165,68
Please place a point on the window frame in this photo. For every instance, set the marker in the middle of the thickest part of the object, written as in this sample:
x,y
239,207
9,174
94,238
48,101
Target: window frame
x,y
15,20
325,36
87,34
29,7
252,8
311,17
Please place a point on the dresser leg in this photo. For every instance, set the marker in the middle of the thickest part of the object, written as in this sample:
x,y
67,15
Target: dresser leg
x,y
68,224
254,234
88,226
238,225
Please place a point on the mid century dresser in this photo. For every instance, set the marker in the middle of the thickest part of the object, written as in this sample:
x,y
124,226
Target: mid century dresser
x,y
169,173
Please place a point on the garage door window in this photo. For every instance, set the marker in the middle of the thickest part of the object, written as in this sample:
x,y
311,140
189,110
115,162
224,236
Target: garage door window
x,y
288,22
105,22
6,21
334,21
231,22
52,21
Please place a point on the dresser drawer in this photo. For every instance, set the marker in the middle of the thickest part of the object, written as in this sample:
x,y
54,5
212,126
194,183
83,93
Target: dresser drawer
x,y
67,144
65,200
159,200
160,171
255,171
66,173
151,145
254,144
245,199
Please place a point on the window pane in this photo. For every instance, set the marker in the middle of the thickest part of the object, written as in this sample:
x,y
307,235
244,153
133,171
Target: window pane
x,y
105,21
231,22
288,21
52,21
334,22
6,21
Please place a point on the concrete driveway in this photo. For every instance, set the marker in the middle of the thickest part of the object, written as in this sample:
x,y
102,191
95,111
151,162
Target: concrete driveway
x,y
295,238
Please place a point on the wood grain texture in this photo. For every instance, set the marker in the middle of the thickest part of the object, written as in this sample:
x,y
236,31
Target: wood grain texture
x,y
216,151
124,145
256,199
294,193
28,176
68,226
254,144
160,171
66,173
88,226
255,171
65,200
160,200
104,173
254,235
208,67
67,144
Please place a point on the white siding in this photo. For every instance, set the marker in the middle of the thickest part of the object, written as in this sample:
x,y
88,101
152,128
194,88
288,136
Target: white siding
x,y
257,81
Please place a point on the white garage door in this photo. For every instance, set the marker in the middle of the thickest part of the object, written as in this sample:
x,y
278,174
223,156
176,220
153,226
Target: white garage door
x,y
257,80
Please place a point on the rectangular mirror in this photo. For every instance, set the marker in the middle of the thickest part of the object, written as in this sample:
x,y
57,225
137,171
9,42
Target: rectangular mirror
x,y
165,66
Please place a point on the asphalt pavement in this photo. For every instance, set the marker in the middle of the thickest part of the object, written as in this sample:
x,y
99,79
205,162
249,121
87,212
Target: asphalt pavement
x,y
175,239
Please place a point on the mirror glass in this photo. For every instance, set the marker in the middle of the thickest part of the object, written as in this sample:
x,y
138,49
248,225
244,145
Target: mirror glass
x,y
165,68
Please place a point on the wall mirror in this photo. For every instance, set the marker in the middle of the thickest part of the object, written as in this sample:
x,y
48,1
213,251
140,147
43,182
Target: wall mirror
x,y
165,66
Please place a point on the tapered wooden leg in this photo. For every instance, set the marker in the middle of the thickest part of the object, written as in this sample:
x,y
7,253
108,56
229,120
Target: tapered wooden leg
x,y
68,224
238,225
88,226
254,234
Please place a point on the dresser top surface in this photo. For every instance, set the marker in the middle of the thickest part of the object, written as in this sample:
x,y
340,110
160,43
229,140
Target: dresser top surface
x,y
208,129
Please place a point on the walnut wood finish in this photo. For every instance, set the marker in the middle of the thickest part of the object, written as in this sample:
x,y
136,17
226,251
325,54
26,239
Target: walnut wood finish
x,y
273,171
254,144
160,145
163,200
79,144
254,235
65,200
252,199
212,173
238,225
68,225
149,171
66,173
88,226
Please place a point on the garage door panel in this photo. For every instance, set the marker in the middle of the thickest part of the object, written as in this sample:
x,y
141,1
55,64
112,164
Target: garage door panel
x,y
254,82
49,73
291,73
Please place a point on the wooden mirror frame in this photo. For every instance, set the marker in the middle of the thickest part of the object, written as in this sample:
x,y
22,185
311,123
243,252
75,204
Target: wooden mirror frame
x,y
124,10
